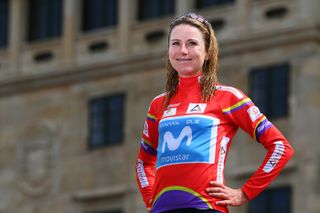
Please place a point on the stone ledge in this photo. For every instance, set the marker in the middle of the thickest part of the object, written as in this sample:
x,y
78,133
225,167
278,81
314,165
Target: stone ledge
x,y
100,193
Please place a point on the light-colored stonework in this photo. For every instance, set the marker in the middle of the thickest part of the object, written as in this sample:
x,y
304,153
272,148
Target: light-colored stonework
x,y
45,165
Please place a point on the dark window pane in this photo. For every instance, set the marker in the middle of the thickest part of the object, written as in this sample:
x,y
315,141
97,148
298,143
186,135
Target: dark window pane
x,y
280,200
258,205
259,82
279,79
269,89
4,21
272,201
115,119
45,19
99,14
97,110
106,120
207,3
155,8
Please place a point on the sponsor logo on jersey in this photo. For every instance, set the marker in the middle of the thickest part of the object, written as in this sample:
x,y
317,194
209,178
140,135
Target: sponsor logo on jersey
x,y
275,157
176,140
141,174
174,143
196,108
254,113
146,129
222,156
262,127
169,112
173,105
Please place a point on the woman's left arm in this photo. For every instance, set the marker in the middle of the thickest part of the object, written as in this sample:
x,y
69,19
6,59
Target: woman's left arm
x,y
278,154
243,113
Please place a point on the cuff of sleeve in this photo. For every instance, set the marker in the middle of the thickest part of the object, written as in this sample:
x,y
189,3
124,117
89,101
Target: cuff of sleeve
x,y
148,203
247,192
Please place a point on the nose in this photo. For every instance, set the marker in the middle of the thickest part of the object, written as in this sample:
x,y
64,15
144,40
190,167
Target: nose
x,y
184,49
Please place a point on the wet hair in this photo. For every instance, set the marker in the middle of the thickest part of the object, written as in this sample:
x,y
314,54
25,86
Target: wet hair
x,y
209,68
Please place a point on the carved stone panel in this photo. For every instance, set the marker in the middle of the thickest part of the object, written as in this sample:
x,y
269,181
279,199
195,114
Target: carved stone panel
x,y
36,158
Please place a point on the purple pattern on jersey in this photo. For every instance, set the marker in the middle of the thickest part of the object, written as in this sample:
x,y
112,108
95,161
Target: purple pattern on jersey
x,y
176,199
148,148
262,127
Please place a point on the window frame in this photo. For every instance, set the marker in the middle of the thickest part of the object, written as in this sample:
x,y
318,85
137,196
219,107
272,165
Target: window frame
x,y
52,22
87,20
107,99
4,30
159,9
271,90
202,4
269,195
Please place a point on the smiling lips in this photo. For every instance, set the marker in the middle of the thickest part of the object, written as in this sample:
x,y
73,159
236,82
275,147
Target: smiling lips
x,y
184,59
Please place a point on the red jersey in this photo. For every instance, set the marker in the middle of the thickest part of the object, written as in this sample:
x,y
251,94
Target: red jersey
x,y
184,146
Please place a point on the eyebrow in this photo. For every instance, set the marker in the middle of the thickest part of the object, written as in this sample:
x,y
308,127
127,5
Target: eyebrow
x,y
191,39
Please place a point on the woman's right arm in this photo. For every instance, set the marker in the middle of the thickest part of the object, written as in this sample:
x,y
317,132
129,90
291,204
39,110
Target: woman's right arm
x,y
145,164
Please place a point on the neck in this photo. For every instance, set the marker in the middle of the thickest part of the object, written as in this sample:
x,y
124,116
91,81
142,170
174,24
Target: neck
x,y
190,81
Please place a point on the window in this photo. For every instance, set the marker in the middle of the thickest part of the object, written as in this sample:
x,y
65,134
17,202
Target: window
x,y
4,20
207,3
270,88
106,121
99,14
272,201
148,9
45,19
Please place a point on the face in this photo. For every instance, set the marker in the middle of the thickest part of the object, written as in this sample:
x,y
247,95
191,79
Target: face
x,y
187,50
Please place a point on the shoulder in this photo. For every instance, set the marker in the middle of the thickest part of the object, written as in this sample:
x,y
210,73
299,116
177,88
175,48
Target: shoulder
x,y
158,100
159,97
230,97
230,91
157,104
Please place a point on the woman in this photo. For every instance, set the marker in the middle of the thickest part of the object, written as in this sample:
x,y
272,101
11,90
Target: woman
x,y
189,129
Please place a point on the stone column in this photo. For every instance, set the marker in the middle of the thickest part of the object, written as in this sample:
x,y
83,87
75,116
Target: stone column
x,y
71,15
16,33
309,11
183,6
126,13
243,10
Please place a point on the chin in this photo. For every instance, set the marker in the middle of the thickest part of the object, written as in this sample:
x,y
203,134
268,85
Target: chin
x,y
188,74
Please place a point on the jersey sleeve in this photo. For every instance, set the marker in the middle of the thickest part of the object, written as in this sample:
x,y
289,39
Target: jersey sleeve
x,y
243,112
145,164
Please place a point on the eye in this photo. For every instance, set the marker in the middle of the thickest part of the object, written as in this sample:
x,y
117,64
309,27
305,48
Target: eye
x,y
175,43
193,43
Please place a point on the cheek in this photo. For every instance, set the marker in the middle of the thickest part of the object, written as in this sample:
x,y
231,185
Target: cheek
x,y
171,54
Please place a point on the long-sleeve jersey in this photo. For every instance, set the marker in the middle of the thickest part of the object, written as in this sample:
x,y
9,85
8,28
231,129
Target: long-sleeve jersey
x,y
185,144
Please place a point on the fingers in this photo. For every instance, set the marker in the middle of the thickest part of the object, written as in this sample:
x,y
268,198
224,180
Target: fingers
x,y
216,184
219,195
224,203
149,209
226,196
214,189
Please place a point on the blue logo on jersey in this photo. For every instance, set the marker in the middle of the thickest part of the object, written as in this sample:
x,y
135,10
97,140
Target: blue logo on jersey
x,y
187,139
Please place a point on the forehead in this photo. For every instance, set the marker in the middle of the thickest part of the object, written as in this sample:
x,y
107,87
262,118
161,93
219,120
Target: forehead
x,y
185,31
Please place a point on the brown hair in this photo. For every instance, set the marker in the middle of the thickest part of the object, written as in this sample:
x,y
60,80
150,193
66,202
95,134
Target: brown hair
x,y
209,69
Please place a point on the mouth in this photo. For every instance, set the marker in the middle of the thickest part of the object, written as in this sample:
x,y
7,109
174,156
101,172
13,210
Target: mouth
x,y
184,59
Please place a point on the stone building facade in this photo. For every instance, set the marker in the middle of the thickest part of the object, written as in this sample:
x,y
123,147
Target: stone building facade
x,y
47,88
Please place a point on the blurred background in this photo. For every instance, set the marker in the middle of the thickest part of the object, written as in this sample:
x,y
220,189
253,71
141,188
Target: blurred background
x,y
77,77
